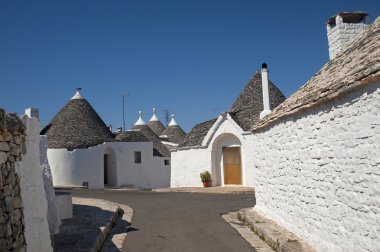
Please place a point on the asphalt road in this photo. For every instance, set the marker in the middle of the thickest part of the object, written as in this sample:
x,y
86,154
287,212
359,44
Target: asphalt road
x,y
174,222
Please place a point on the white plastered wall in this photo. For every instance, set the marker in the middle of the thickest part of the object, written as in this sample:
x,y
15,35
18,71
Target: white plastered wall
x,y
70,168
317,173
187,164
33,194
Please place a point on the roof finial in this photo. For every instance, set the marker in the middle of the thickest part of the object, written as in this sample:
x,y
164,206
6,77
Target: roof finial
x,y
173,122
154,117
77,94
140,121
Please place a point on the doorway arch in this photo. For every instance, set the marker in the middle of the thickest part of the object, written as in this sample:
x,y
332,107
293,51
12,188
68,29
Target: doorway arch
x,y
227,165
109,167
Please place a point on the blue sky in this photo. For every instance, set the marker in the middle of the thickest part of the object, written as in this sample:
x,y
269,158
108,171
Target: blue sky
x,y
190,57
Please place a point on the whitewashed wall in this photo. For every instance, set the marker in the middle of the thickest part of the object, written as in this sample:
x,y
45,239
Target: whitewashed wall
x,y
53,218
86,165
33,194
187,164
318,175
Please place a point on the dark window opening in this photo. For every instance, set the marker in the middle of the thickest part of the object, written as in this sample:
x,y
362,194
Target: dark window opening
x,y
137,157
167,162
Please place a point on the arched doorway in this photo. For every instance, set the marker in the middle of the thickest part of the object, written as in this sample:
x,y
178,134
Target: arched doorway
x,y
227,165
110,167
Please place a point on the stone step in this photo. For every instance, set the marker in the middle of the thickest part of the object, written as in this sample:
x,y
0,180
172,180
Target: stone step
x,y
255,241
279,238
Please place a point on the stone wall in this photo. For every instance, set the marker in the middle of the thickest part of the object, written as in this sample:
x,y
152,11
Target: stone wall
x,y
12,135
317,173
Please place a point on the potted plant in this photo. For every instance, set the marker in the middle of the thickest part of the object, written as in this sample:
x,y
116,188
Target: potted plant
x,y
206,178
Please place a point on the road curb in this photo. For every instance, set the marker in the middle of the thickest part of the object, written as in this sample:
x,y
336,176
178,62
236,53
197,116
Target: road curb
x,y
279,238
101,238
214,190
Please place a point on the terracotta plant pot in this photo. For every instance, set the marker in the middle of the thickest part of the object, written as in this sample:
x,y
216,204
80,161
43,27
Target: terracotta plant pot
x,y
207,184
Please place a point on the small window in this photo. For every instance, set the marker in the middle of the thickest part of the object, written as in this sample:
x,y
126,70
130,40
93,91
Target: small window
x,y
137,157
167,162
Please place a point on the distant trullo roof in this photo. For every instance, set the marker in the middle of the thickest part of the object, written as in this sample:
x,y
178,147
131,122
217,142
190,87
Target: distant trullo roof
x,y
245,111
76,126
131,136
174,133
158,148
155,124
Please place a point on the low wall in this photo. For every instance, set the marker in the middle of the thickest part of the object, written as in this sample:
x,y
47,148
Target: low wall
x,y
33,191
317,173
12,229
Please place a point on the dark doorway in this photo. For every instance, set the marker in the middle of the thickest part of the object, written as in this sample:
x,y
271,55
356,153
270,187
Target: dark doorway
x,y
105,169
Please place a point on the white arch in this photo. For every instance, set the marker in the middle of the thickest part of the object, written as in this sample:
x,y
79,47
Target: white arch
x,y
223,140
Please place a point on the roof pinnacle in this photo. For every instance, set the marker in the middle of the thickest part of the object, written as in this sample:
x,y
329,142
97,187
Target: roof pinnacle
x,y
154,117
77,94
140,121
173,122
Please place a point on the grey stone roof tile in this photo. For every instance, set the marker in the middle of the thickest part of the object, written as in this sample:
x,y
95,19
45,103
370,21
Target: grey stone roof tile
x,y
174,134
131,136
76,126
197,134
158,148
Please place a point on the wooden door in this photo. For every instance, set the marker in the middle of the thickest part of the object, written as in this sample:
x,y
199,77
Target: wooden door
x,y
232,165
105,169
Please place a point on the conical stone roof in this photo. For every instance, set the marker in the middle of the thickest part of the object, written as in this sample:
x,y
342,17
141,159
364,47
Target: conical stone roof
x,y
249,104
155,124
174,133
158,148
131,136
245,111
157,127
76,126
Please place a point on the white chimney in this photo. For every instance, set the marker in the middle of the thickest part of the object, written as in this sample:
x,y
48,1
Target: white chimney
x,y
265,87
32,112
343,28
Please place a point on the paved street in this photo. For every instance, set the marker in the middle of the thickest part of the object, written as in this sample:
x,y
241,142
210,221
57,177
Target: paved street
x,y
178,221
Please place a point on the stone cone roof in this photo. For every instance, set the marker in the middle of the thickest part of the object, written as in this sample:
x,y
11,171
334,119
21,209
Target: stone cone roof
x,y
197,134
245,111
248,106
158,148
174,134
157,127
76,126
131,136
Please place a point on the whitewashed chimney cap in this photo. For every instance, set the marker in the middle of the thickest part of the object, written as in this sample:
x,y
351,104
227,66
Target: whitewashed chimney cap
x,y
154,117
173,122
140,121
77,95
